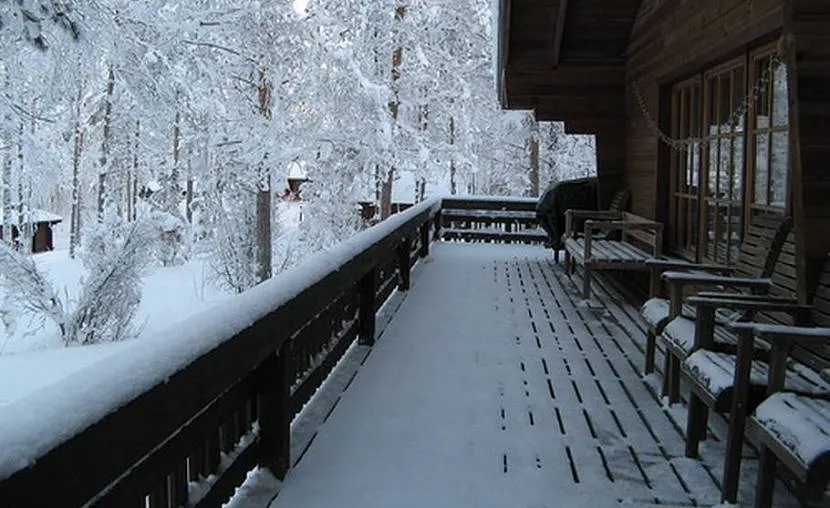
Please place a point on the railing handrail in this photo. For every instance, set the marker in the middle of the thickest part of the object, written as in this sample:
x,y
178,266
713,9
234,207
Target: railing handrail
x,y
215,373
202,357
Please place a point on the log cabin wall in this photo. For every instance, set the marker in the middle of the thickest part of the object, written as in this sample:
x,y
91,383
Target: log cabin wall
x,y
672,40
808,53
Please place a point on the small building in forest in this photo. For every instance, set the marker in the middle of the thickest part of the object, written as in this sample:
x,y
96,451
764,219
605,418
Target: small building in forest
x,y
42,237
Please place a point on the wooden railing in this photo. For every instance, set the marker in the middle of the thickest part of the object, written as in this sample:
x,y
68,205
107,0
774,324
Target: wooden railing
x,y
493,220
190,437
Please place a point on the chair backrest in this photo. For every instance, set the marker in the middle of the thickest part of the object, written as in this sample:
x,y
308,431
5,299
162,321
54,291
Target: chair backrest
x,y
818,356
762,245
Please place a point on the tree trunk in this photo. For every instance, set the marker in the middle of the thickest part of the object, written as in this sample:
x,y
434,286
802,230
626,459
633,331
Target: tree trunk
x,y
102,163
386,195
263,208
75,220
188,199
533,175
453,175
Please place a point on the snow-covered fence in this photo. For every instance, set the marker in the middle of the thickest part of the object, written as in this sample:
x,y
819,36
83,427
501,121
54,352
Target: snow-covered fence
x,y
180,418
491,219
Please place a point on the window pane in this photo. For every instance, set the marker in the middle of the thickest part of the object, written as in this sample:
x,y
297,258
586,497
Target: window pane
x,y
780,106
714,154
694,169
778,171
762,70
694,224
761,169
725,100
737,168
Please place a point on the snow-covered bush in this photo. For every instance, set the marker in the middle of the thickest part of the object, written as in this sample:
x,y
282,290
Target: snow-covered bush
x,y
172,232
234,260
26,289
115,254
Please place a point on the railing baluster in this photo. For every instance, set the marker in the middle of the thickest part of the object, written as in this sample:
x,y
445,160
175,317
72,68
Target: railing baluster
x,y
274,413
404,263
159,497
178,485
367,308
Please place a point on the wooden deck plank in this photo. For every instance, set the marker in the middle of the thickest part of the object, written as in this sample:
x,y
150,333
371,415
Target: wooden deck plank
x,y
559,407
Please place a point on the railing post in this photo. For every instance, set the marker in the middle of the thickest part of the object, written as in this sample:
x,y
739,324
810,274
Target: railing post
x,y
274,412
404,263
424,250
366,314
438,220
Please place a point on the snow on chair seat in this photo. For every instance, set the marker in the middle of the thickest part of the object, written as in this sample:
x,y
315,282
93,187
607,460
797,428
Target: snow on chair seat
x,y
799,426
758,254
713,378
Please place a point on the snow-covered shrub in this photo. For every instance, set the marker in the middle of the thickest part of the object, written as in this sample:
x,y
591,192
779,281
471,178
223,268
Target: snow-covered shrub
x,y
172,231
26,289
234,260
115,255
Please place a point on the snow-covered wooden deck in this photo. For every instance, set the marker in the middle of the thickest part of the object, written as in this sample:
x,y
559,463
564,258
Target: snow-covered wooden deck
x,y
492,384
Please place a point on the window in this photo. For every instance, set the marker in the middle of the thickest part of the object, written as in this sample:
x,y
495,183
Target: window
x,y
723,158
769,142
732,161
685,164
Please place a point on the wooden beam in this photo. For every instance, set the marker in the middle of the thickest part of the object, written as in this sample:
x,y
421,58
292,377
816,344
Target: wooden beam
x,y
559,32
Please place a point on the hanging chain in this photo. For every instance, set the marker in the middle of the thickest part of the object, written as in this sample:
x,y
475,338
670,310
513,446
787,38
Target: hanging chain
x,y
679,144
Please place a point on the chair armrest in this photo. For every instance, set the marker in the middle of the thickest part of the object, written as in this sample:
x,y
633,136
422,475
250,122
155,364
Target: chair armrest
x,y
751,305
673,277
746,297
771,332
676,265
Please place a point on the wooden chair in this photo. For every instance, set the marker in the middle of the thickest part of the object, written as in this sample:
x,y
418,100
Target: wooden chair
x,y
758,253
737,381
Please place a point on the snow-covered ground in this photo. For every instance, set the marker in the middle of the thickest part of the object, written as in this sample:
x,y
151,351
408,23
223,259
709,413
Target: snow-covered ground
x,y
33,356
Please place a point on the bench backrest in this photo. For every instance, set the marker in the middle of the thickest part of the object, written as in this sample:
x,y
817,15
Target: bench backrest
x,y
619,201
762,244
650,239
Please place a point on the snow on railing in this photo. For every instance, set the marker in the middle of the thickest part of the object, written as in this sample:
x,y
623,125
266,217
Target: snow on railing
x,y
140,417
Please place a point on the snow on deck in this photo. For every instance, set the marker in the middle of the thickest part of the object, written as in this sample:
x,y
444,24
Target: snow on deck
x,y
493,385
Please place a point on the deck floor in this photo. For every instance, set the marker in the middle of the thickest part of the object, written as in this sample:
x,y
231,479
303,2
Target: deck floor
x,y
493,385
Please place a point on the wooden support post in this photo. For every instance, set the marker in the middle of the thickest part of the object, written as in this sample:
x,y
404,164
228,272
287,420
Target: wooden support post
x,y
424,250
274,402
404,263
438,225
366,314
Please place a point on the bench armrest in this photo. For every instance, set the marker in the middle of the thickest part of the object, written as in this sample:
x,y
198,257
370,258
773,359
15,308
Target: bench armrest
x,y
621,224
676,265
593,214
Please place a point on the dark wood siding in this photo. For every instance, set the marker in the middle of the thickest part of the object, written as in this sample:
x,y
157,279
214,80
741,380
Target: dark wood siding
x,y
808,51
670,41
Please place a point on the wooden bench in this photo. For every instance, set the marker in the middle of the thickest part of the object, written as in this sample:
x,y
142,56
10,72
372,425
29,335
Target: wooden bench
x,y
617,205
641,240
491,220
758,253
735,380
